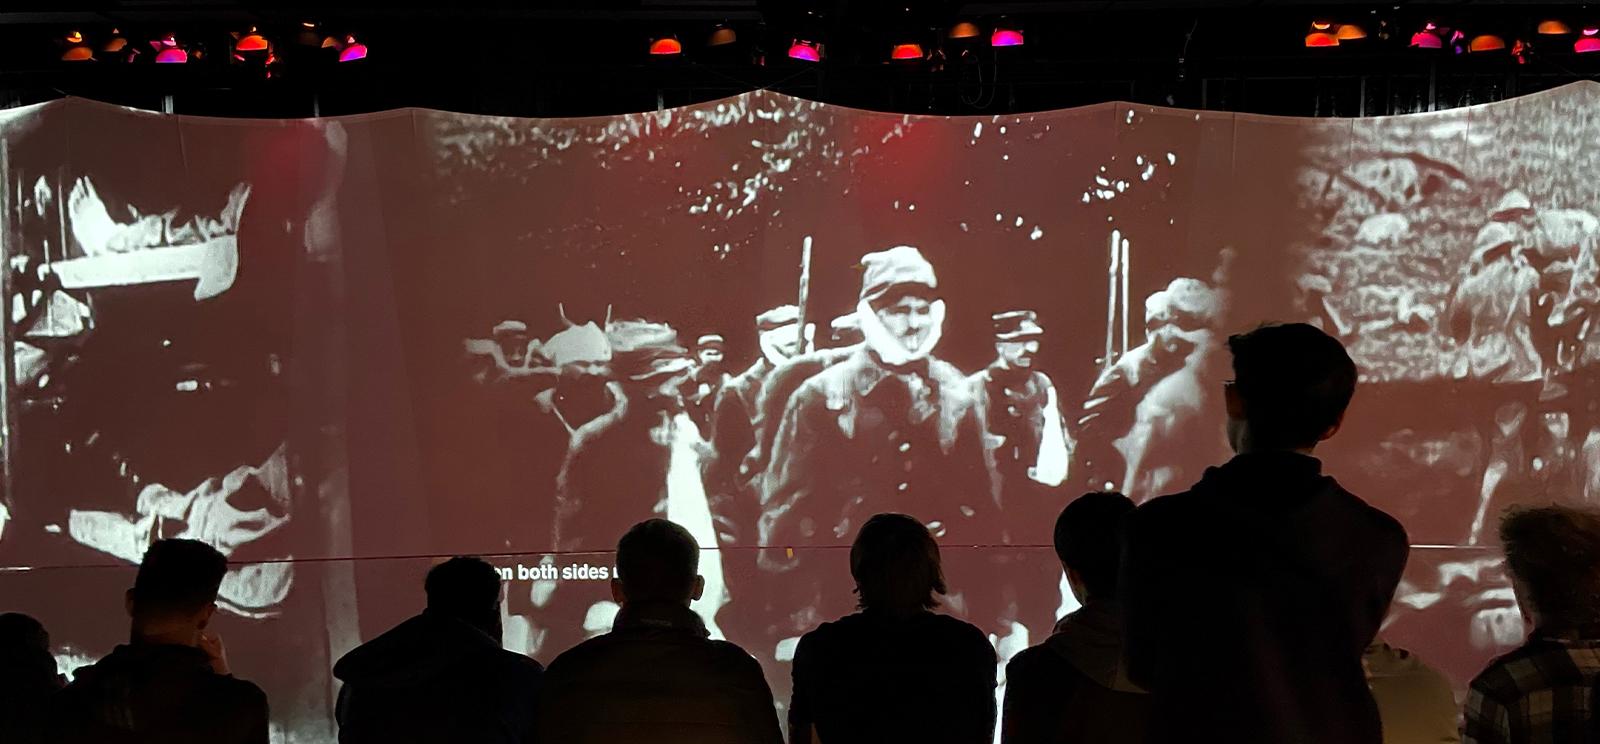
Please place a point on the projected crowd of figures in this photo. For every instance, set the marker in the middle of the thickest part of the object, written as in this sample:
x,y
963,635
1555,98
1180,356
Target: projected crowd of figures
x,y
341,349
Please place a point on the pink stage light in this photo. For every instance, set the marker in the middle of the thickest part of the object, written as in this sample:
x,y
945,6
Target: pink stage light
x,y
353,52
1588,42
172,56
1005,37
1426,40
805,50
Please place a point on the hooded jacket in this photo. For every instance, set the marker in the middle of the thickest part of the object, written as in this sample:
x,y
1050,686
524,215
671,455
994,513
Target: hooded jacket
x,y
1074,687
1249,600
435,678
152,693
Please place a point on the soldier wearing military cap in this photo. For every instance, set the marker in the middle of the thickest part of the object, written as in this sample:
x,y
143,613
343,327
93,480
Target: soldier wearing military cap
x,y
707,381
890,428
1022,406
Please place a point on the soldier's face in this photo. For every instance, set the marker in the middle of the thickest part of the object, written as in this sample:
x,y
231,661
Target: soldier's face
x,y
710,358
909,320
515,349
785,340
1018,353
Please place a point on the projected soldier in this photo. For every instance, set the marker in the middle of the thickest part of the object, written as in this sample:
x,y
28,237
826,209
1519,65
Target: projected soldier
x,y
733,433
700,393
1148,419
641,460
890,428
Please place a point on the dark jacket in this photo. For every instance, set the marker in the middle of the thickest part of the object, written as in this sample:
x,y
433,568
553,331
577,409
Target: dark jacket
x,y
1074,687
157,694
657,677
1250,599
870,677
855,440
28,678
435,678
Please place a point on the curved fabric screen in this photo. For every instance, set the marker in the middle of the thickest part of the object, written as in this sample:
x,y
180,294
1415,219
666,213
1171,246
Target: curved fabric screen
x,y
339,349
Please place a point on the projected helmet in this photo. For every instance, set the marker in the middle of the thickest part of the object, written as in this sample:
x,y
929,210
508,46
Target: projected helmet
x,y
1513,205
900,266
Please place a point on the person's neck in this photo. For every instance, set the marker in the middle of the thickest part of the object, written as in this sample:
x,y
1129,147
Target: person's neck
x,y
164,634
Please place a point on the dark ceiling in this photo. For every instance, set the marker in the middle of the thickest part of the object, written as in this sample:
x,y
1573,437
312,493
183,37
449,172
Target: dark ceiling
x,y
582,57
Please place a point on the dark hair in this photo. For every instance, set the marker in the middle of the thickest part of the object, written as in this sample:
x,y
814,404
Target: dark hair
x,y
1554,553
178,577
466,588
895,563
19,631
657,561
1295,382
899,292
1088,539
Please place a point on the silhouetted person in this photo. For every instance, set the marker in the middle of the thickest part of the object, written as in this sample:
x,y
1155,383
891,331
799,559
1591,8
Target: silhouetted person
x,y
441,676
1073,687
1539,692
657,676
170,683
27,676
895,671
1249,599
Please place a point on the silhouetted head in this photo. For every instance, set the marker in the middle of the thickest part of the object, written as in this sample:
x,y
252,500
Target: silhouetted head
x,y
175,592
1553,553
466,588
895,563
1291,386
1088,542
19,631
657,561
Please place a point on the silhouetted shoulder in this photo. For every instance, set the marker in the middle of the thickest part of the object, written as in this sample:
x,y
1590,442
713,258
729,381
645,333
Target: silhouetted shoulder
x,y
737,659
518,668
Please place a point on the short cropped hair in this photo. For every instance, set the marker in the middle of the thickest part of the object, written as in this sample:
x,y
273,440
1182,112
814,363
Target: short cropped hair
x,y
178,577
1088,539
657,561
464,587
1295,381
19,631
1554,553
895,563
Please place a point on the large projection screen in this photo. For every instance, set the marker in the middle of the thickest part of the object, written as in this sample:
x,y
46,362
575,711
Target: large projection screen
x,y
341,349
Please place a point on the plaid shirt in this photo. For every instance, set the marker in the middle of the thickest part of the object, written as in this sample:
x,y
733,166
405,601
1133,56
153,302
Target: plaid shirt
x,y
1539,693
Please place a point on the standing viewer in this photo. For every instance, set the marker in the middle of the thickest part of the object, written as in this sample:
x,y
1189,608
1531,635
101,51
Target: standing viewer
x,y
657,676
895,671
1540,693
170,683
1250,598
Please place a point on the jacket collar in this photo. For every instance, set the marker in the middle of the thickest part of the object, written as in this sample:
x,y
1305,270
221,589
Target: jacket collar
x,y
659,616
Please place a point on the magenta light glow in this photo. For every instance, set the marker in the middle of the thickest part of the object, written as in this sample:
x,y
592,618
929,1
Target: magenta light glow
x,y
1006,37
173,56
805,50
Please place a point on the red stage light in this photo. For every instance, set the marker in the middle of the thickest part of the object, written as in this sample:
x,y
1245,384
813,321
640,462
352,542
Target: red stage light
x,y
723,36
1554,27
806,51
252,42
906,52
1318,39
172,56
116,43
1486,43
74,37
1350,32
78,53
1005,37
666,45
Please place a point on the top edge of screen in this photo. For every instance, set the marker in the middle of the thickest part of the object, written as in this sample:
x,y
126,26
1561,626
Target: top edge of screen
x,y
1199,114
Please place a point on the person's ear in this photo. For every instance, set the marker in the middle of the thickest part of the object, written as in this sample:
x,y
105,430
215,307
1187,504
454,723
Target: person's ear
x,y
699,588
1332,430
1235,402
127,602
206,615
618,595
